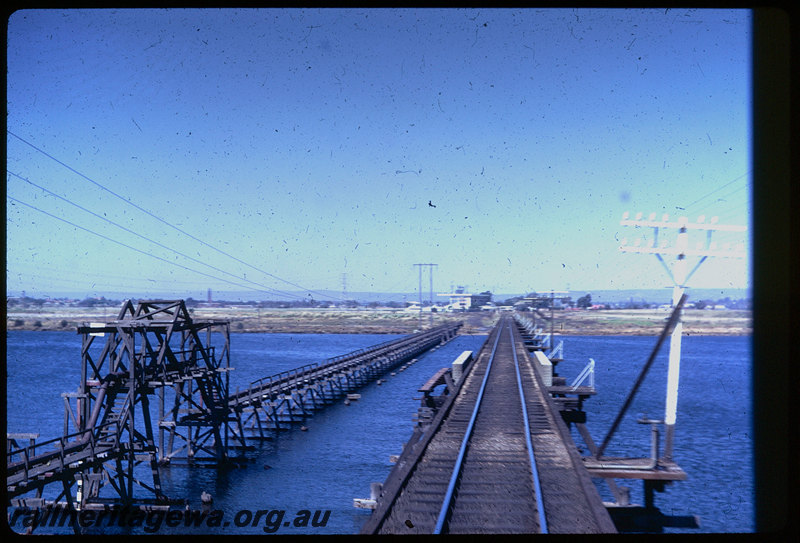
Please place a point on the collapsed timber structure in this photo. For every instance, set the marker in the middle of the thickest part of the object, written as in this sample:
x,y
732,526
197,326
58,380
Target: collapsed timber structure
x,y
116,436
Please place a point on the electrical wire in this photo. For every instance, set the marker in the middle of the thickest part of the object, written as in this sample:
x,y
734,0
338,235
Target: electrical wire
x,y
127,246
164,221
719,189
266,288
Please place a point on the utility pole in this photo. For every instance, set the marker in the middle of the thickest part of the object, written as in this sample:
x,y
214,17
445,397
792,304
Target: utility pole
x,y
430,268
431,291
679,277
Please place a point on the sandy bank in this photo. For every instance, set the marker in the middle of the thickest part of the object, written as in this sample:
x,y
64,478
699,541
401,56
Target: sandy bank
x,y
392,321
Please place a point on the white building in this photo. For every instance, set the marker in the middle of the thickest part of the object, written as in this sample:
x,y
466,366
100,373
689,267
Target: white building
x,y
459,301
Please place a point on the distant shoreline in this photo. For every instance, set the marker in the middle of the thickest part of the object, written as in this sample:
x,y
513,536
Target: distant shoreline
x,y
633,322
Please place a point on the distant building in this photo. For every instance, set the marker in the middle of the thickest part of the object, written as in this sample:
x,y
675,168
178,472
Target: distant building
x,y
464,301
478,301
459,300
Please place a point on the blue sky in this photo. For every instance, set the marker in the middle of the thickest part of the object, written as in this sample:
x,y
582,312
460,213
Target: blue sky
x,y
286,149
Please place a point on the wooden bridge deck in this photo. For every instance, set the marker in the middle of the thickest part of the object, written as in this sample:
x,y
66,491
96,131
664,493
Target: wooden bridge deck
x,y
497,489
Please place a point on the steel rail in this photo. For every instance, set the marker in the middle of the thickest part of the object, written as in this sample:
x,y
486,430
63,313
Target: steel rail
x,y
448,497
449,494
534,470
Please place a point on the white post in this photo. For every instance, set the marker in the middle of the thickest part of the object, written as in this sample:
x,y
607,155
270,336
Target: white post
x,y
673,372
679,277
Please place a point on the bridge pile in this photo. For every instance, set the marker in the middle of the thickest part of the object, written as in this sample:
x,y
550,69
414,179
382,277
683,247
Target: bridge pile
x,y
275,403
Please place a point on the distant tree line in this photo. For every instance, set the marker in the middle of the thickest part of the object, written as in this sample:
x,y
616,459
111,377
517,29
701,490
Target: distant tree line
x,y
529,301
294,304
545,301
27,301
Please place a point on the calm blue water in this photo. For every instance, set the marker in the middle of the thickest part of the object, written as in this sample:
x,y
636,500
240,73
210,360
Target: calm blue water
x,y
348,447
713,436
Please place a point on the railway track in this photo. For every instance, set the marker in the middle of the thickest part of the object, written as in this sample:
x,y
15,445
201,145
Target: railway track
x,y
495,469
481,468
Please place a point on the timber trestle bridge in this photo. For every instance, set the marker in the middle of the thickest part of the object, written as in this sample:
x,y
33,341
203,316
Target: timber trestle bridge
x,y
492,452
116,436
275,402
495,458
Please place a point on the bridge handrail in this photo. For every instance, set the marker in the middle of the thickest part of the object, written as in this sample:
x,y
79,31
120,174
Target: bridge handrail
x,y
588,371
410,345
559,350
407,341
64,445
286,375
369,350
292,375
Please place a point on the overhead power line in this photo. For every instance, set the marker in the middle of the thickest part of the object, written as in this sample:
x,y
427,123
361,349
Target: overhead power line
x,y
126,245
137,234
127,201
719,189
